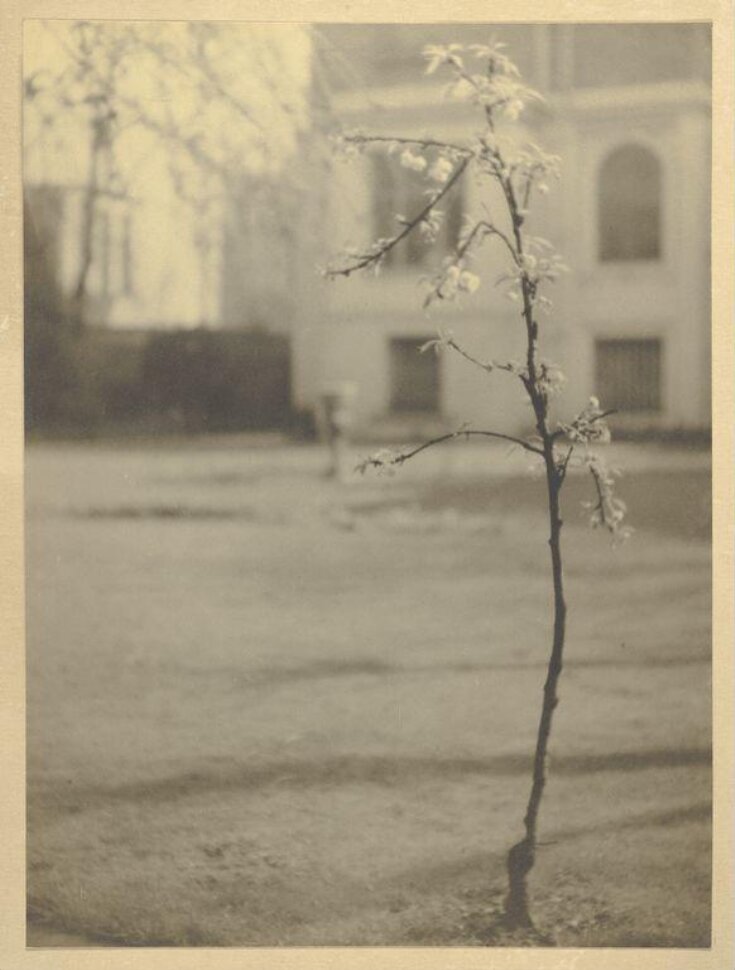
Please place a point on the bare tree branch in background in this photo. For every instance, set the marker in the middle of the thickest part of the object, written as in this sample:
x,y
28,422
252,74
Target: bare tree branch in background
x,y
218,101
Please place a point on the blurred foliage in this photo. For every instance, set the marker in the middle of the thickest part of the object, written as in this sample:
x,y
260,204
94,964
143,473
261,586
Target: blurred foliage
x,y
205,380
85,381
55,394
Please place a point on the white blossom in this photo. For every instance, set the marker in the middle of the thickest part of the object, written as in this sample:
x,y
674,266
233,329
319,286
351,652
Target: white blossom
x,y
410,160
589,425
438,55
451,278
468,281
551,378
513,108
441,169
430,225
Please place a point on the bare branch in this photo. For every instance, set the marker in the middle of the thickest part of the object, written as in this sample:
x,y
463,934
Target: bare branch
x,y
488,366
388,459
377,254
358,138
588,419
487,229
206,70
565,465
494,231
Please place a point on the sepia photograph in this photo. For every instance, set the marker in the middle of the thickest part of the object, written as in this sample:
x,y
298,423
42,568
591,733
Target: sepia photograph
x,y
368,484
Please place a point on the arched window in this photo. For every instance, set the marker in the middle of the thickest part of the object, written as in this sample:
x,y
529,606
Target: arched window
x,y
629,205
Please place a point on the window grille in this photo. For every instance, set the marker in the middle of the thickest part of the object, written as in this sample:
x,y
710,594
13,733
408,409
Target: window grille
x,y
628,374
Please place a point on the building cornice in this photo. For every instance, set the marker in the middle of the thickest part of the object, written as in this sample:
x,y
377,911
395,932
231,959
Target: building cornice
x,y
404,98
642,97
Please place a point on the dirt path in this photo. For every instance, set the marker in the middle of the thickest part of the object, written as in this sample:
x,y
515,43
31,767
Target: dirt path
x,y
269,710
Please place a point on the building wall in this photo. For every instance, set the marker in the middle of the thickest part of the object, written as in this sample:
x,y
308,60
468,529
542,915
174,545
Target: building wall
x,y
589,114
665,298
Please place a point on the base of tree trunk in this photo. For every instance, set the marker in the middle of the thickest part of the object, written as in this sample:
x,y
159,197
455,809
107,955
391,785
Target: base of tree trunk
x,y
519,864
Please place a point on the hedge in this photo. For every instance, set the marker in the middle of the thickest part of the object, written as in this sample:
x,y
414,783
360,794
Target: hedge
x,y
154,380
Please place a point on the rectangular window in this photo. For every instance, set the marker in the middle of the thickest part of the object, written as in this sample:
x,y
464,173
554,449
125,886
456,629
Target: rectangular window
x,y
414,377
628,374
400,193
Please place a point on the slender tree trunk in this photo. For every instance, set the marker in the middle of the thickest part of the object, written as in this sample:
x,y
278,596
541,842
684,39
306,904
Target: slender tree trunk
x,y
97,146
87,247
522,855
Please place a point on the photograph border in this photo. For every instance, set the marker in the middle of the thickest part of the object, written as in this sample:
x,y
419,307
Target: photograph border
x,y
13,952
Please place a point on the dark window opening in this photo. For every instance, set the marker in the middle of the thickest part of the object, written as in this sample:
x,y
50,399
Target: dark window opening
x,y
414,376
400,193
630,206
628,374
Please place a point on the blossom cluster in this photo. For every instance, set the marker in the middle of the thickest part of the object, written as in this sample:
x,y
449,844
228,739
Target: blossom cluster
x,y
430,225
608,511
439,171
533,162
499,90
451,280
550,379
589,426
409,159
452,54
532,270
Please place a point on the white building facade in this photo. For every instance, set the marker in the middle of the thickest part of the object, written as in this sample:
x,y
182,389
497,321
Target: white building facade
x,y
628,110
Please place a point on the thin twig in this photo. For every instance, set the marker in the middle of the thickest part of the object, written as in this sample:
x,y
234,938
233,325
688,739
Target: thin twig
x,y
488,229
158,51
564,465
596,478
487,366
374,257
401,457
493,230
560,432
360,139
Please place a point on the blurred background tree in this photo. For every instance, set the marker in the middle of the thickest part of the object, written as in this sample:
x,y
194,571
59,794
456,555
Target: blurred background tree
x,y
213,120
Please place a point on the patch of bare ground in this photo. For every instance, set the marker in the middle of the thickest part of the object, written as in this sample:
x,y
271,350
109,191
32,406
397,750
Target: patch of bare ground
x,y
310,723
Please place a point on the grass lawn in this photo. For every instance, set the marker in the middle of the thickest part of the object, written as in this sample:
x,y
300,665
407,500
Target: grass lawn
x,y
269,709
